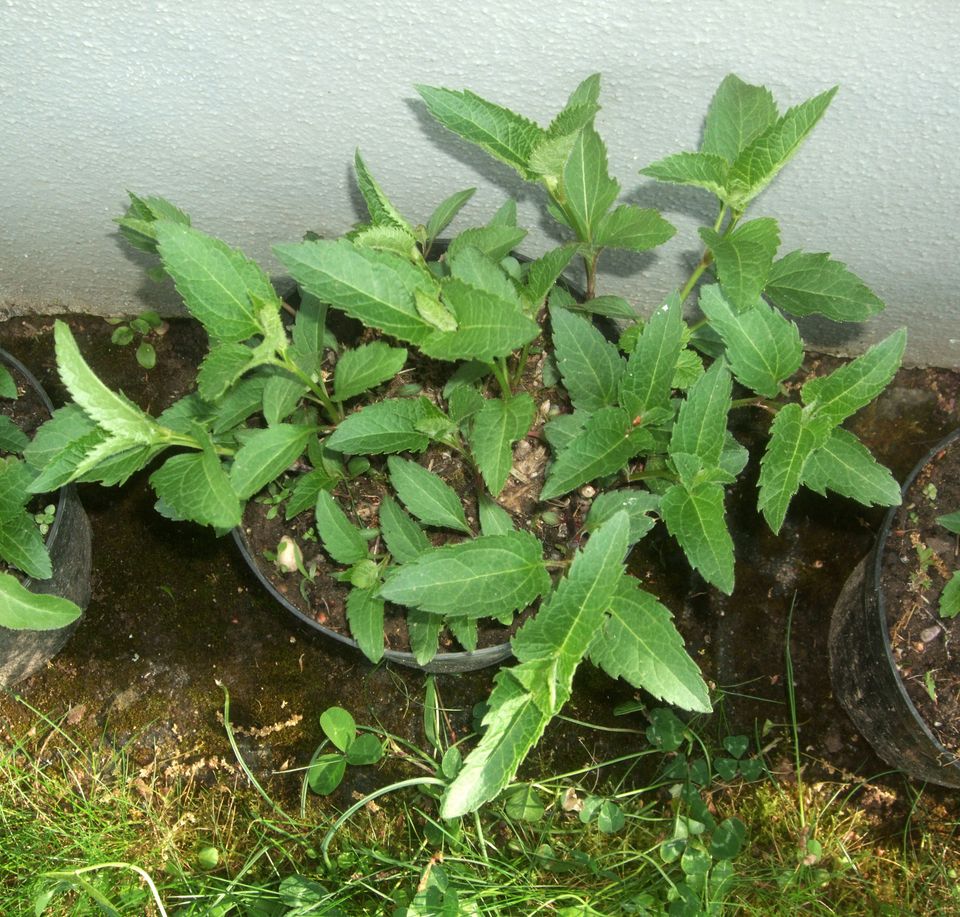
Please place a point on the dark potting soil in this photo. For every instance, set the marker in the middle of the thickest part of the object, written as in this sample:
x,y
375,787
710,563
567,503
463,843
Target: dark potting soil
x,y
919,557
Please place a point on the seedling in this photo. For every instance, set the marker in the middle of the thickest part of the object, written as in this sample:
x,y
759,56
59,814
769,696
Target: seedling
x,y
145,327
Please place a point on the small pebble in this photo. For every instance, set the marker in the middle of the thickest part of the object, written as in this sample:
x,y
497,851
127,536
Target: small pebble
x,y
930,633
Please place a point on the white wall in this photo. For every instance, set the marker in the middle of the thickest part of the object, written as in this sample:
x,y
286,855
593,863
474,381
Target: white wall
x,y
247,116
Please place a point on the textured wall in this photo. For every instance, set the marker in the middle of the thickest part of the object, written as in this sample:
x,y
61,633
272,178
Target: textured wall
x,y
247,116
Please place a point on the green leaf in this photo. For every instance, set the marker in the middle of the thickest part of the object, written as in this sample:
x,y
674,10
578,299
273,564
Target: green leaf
x,y
67,425
266,454
221,368
282,393
489,576
122,335
502,133
951,522
523,803
21,609
405,540
496,427
376,288
805,283
385,426
433,311
8,386
306,490
339,727
950,597
488,326
701,424
342,540
146,355
463,402
608,306
113,412
702,170
551,645
762,347
845,466
430,499
215,281
606,443
634,502
378,204
446,210
21,544
195,487
639,643
744,258
241,402
590,365
728,839
646,383
563,429
637,229
764,156
542,274
495,241
365,749
424,629
366,366
387,238
794,436
738,113
494,519
365,616
12,438
309,327
137,225
695,517
480,271
586,189
325,773
855,384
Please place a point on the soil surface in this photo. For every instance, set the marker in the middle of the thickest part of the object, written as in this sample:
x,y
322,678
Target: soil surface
x,y
176,613
919,558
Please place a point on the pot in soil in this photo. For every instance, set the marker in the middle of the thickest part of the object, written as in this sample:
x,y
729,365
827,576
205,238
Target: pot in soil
x,y
890,648
42,606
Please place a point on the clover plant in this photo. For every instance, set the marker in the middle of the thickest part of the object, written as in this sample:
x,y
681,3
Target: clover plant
x,y
22,533
637,427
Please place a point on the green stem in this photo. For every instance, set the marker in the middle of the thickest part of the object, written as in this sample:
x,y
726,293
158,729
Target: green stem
x,y
499,369
768,404
521,363
74,877
590,266
334,411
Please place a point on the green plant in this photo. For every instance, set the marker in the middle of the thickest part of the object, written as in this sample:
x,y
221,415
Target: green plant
x,y
950,597
637,429
144,326
22,533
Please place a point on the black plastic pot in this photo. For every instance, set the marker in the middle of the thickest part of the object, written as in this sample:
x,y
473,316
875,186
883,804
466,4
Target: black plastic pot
x,y
864,674
23,652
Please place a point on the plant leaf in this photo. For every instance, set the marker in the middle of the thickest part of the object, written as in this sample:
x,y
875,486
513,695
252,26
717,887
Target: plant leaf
x,y
365,616
695,517
496,427
12,438
590,365
701,424
480,271
744,259
494,519
702,170
221,368
949,606
586,186
281,395
738,113
639,643
196,488
496,241
265,454
405,540
606,443
542,274
489,576
424,629
637,229
430,499
381,211
21,609
634,502
444,213
342,540
8,385
804,283
325,773
608,306
381,427
845,466
366,366
646,383
339,727
762,347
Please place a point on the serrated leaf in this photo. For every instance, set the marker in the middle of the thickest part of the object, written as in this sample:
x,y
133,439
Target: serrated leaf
x,y
702,170
266,454
804,283
480,271
639,643
590,365
282,393
305,491
379,428
855,384
496,427
502,133
238,404
494,519
463,402
365,617
701,424
387,238
374,287
586,188
845,466
424,629
221,368
110,410
309,328
634,502
196,488
137,224
689,368
563,429
12,438
378,204
444,213
8,386
744,259
366,366
608,306
648,377
543,273
489,576
215,281
637,229
429,498
21,609
695,517
606,443
433,311
496,241
551,645
762,347
765,155
738,113
405,540
21,544
488,326
794,436
342,540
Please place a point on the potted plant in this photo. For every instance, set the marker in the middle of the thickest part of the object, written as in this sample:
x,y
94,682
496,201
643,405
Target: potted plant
x,y
403,448
44,542
893,628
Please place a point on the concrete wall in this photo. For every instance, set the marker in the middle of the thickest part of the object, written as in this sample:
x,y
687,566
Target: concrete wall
x,y
247,116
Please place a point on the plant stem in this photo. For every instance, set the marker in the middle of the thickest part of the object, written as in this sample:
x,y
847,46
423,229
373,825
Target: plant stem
x,y
590,266
334,411
499,369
